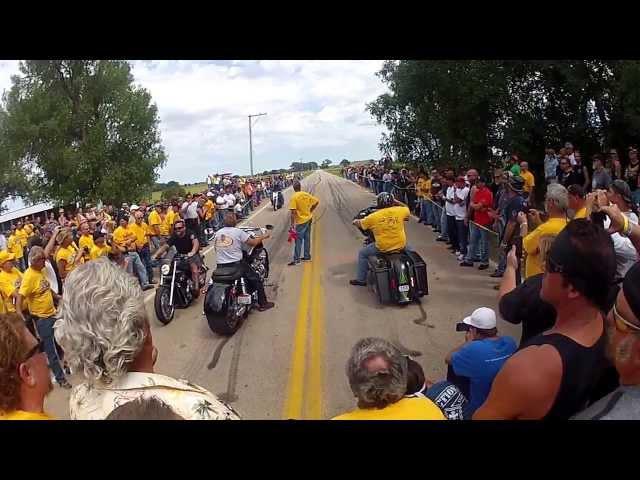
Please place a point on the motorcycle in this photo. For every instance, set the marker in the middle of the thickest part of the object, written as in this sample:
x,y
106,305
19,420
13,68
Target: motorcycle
x,y
277,200
176,288
395,277
229,297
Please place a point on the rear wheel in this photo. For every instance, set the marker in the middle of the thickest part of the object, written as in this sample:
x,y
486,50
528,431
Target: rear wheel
x,y
228,321
164,311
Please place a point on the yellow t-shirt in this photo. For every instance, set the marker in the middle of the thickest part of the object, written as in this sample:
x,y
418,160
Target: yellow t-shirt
x,y
23,415
387,226
423,188
154,219
415,408
302,202
122,235
209,208
97,252
531,244
140,231
86,241
529,180
14,245
165,227
23,236
36,289
9,283
171,218
29,229
68,255
582,213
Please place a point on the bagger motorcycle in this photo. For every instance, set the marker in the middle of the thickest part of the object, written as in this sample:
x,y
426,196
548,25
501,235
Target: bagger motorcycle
x,y
395,277
176,288
230,297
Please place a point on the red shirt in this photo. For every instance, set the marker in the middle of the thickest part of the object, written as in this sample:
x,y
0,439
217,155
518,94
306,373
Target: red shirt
x,y
485,197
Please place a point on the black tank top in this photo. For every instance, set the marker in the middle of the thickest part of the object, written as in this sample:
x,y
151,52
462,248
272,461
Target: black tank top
x,y
582,371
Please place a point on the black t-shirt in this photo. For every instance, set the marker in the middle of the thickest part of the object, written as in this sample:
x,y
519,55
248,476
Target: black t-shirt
x,y
524,305
579,171
184,244
571,178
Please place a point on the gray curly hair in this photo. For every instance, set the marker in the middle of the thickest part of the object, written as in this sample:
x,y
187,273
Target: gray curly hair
x,y
102,321
377,389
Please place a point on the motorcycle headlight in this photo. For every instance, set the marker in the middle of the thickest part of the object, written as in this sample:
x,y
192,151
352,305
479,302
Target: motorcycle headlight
x,y
165,269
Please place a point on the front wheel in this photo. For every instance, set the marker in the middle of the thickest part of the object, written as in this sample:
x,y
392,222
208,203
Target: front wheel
x,y
164,311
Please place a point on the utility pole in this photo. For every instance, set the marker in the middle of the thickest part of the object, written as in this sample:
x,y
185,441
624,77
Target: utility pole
x,y
251,141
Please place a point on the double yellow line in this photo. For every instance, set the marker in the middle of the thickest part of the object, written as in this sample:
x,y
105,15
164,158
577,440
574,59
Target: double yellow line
x,y
305,386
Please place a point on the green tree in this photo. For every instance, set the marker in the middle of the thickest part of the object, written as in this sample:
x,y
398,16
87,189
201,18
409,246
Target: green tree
x,y
344,162
173,192
326,163
81,130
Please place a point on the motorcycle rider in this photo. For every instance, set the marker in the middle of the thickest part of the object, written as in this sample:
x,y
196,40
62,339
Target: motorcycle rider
x,y
229,241
186,243
387,226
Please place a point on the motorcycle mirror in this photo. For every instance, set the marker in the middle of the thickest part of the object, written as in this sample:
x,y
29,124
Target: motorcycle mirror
x,y
269,227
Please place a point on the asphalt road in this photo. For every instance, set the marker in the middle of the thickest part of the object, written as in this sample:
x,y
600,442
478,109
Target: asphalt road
x,y
289,362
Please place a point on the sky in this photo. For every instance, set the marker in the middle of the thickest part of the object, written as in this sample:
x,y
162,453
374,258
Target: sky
x,y
315,110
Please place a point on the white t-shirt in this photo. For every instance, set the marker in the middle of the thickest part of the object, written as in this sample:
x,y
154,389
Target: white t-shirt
x,y
626,254
448,207
229,242
229,200
460,209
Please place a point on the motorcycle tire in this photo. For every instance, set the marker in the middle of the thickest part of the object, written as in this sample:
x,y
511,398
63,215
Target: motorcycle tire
x,y
164,312
224,323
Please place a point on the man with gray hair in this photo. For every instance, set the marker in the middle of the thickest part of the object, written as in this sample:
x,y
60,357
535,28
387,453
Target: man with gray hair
x,y
556,204
377,373
105,332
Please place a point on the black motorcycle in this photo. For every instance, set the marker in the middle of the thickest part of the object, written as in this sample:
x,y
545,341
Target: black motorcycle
x,y
394,277
229,297
277,200
176,288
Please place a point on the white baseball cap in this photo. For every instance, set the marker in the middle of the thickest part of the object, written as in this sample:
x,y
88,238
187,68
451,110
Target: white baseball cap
x,y
483,318
134,207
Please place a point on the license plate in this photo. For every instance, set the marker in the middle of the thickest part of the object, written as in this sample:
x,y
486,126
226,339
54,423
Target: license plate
x,y
244,299
403,288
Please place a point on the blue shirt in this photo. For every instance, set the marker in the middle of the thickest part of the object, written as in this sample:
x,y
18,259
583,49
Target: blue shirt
x,y
480,361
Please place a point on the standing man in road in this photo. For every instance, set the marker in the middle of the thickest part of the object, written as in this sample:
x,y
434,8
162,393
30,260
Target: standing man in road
x,y
302,205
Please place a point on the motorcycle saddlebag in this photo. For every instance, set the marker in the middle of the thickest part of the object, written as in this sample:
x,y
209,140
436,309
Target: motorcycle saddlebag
x,y
379,271
420,274
214,301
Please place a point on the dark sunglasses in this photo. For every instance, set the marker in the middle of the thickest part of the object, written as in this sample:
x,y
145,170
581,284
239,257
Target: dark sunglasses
x,y
553,267
179,228
38,348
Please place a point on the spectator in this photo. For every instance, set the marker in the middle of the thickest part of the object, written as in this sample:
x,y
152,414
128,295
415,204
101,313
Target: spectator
x,y
302,206
550,166
461,192
35,292
435,195
68,256
567,175
479,235
623,338
423,187
577,201
3,241
474,364
447,183
142,232
619,194
452,229
527,176
86,241
106,336
568,146
189,212
144,408
514,165
514,204
10,279
631,175
445,395
377,373
556,203
124,239
100,247
582,171
614,165
601,178
24,375
155,225
14,245
522,304
555,375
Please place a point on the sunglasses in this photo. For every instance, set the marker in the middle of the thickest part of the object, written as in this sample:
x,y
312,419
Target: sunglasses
x,y
38,348
179,228
623,325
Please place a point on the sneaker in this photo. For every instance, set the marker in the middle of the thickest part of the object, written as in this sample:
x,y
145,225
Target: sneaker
x,y
291,264
496,275
484,266
306,259
148,286
358,283
466,264
266,306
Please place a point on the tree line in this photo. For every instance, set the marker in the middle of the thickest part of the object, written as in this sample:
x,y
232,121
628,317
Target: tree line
x,y
469,112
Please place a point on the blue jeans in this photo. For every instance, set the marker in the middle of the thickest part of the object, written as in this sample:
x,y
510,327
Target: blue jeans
x,y
478,250
145,256
44,327
304,235
444,228
138,267
424,207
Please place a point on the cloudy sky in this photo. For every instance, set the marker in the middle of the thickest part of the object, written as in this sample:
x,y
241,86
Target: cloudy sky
x,y
316,110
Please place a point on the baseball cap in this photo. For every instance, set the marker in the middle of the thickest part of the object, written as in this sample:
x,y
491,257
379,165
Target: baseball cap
x,y
622,188
483,318
134,207
5,256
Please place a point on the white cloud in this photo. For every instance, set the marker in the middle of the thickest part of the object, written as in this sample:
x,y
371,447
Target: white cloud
x,y
316,109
